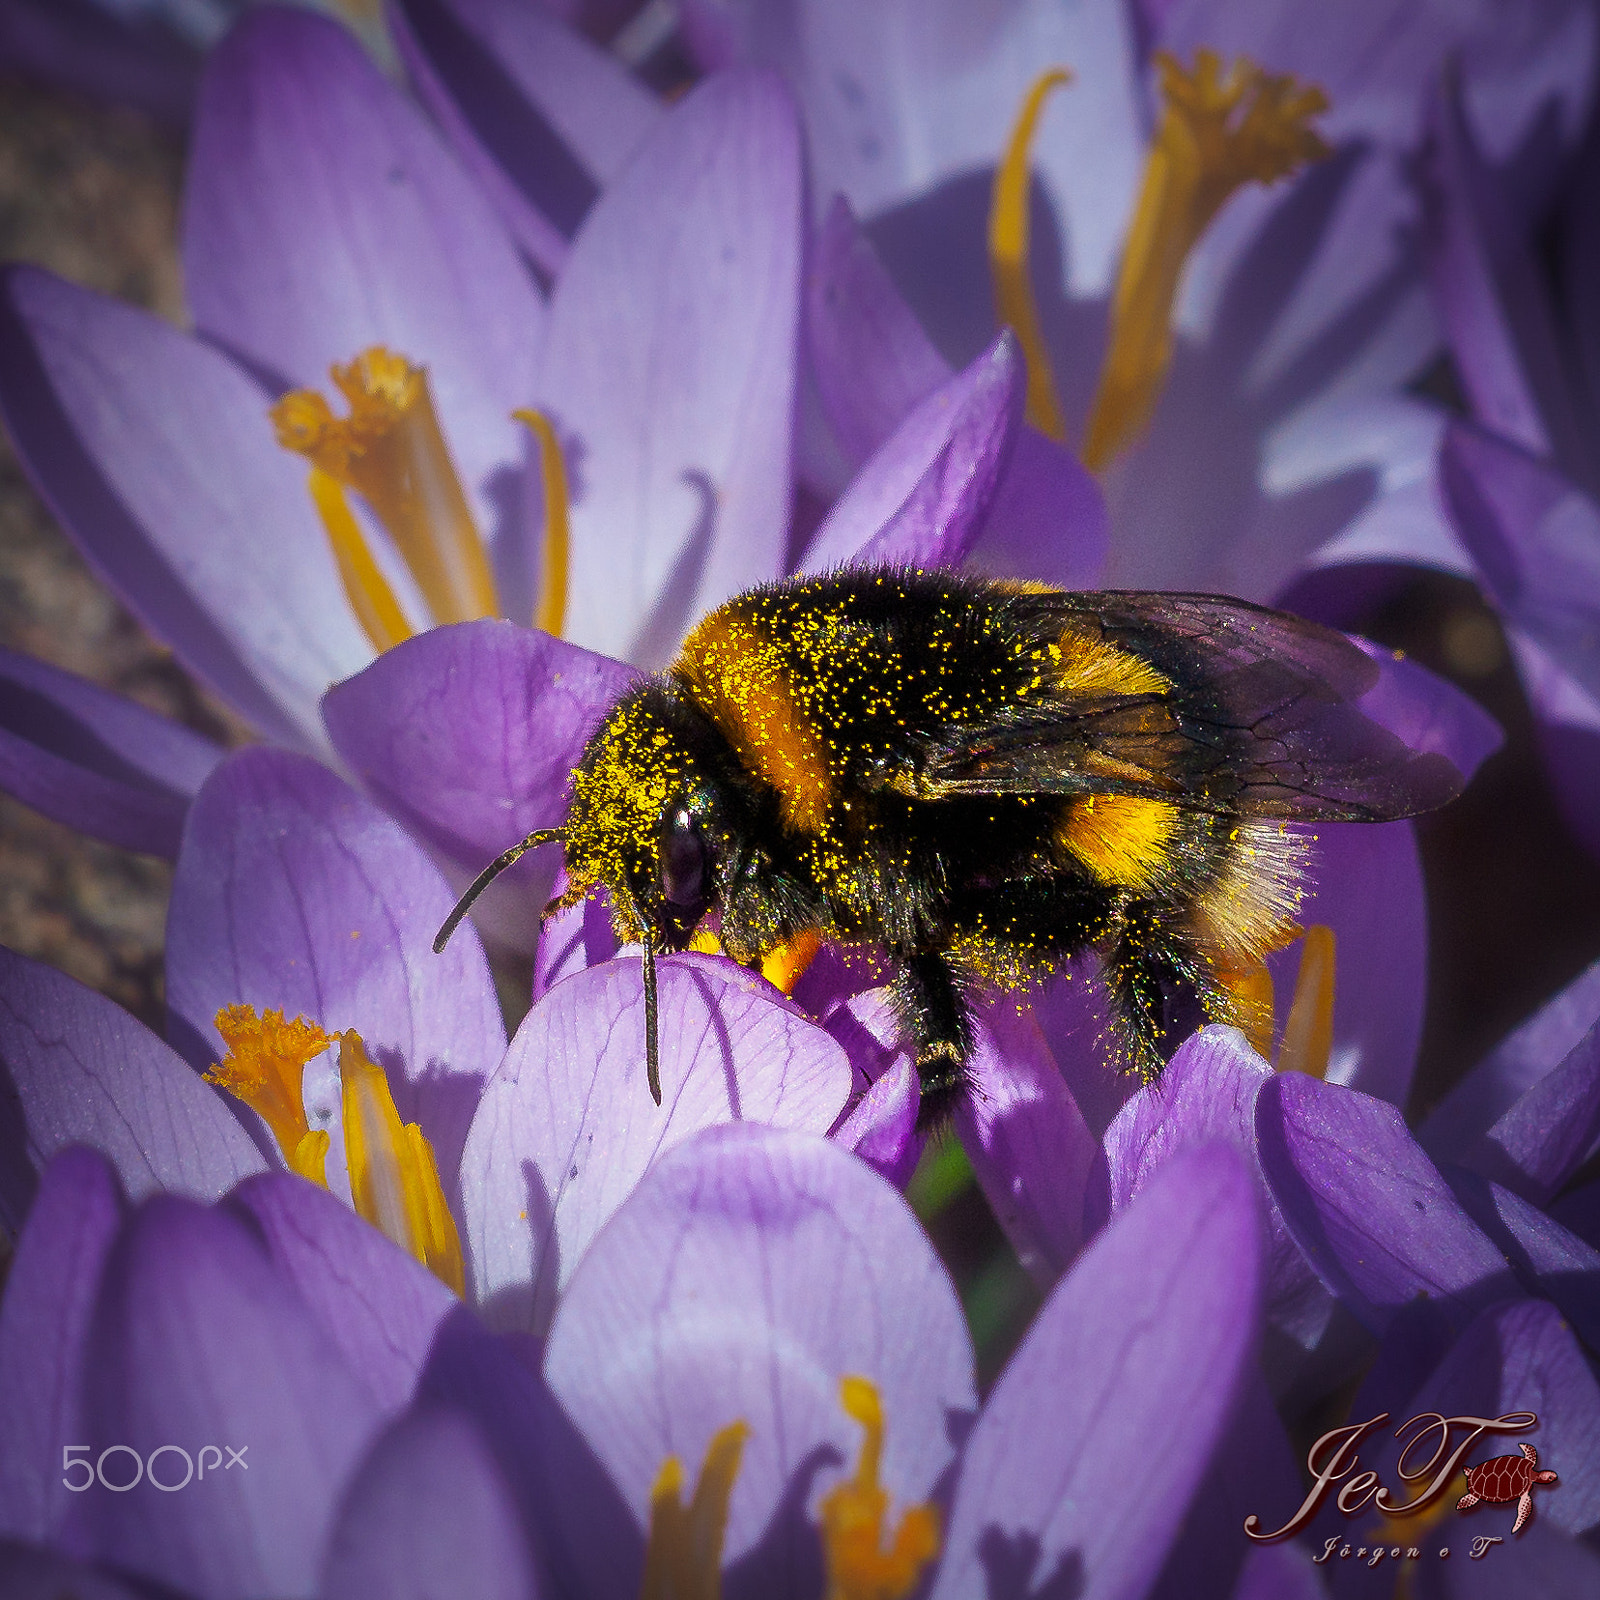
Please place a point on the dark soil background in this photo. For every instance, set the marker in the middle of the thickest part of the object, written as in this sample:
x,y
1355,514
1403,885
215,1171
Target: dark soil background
x,y
92,193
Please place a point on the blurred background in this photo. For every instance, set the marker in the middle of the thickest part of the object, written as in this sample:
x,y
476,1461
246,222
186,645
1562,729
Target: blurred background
x,y
90,169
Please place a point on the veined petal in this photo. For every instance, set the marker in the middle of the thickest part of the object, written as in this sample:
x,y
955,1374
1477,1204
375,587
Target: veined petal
x,y
1428,712
103,765
678,416
469,735
154,452
75,1068
905,102
567,1126
195,1338
1367,1207
323,215
44,1321
428,1514
540,116
922,498
1130,1372
1029,1146
295,893
750,1272
1531,1051
1497,312
378,1304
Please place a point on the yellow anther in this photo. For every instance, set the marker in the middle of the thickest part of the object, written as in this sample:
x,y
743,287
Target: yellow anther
x,y
390,450
683,1559
394,1179
786,965
309,1158
550,611
264,1067
1008,257
373,601
853,1514
1250,999
1308,1033
1216,135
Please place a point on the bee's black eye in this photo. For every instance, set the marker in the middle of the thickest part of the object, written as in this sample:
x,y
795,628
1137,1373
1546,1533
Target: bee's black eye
x,y
683,862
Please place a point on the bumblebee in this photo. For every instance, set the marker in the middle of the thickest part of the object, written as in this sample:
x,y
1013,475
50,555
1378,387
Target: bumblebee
x,y
983,779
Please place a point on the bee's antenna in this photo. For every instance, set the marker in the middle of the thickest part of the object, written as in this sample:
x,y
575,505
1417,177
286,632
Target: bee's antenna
x,y
486,877
652,1050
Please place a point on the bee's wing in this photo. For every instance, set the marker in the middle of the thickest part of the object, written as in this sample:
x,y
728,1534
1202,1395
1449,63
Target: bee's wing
x,y
1260,719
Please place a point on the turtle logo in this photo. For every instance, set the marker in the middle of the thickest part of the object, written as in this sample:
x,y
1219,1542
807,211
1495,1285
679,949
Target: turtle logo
x,y
1505,1479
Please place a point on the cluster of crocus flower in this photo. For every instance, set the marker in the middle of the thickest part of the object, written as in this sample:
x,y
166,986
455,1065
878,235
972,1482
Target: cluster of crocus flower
x,y
704,1347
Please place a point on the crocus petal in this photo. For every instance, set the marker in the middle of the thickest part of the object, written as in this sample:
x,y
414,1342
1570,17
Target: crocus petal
x,y
1549,1261
749,1273
567,1126
322,215
1428,713
1365,882
1551,1129
1208,1092
1129,1374
44,1320
1495,307
542,118
922,497
1512,1068
196,1341
103,765
1541,1560
578,937
1048,520
293,892
1368,1208
1028,1143
1378,57
905,103
1521,1357
1536,540
428,1515
882,1126
154,452
1278,1572
1568,713
379,1306
678,416
872,362
469,735
77,1069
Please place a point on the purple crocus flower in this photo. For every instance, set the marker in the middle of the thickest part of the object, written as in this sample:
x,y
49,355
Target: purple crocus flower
x,y
762,1330
298,898
1520,486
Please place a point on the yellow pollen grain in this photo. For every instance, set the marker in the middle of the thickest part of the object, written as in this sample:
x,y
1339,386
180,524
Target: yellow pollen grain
x,y
1216,135
394,1178
550,611
683,1557
853,1513
390,450
1008,257
264,1067
1308,1033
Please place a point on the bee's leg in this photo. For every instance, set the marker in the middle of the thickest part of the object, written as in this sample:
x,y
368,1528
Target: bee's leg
x,y
934,1014
1159,987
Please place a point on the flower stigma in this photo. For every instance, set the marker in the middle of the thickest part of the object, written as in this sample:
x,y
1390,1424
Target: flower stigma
x,y
853,1512
683,1559
265,1064
1216,135
394,1178
550,610
391,451
1008,258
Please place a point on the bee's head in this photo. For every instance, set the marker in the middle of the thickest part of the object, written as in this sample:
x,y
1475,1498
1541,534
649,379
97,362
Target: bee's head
x,y
643,819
